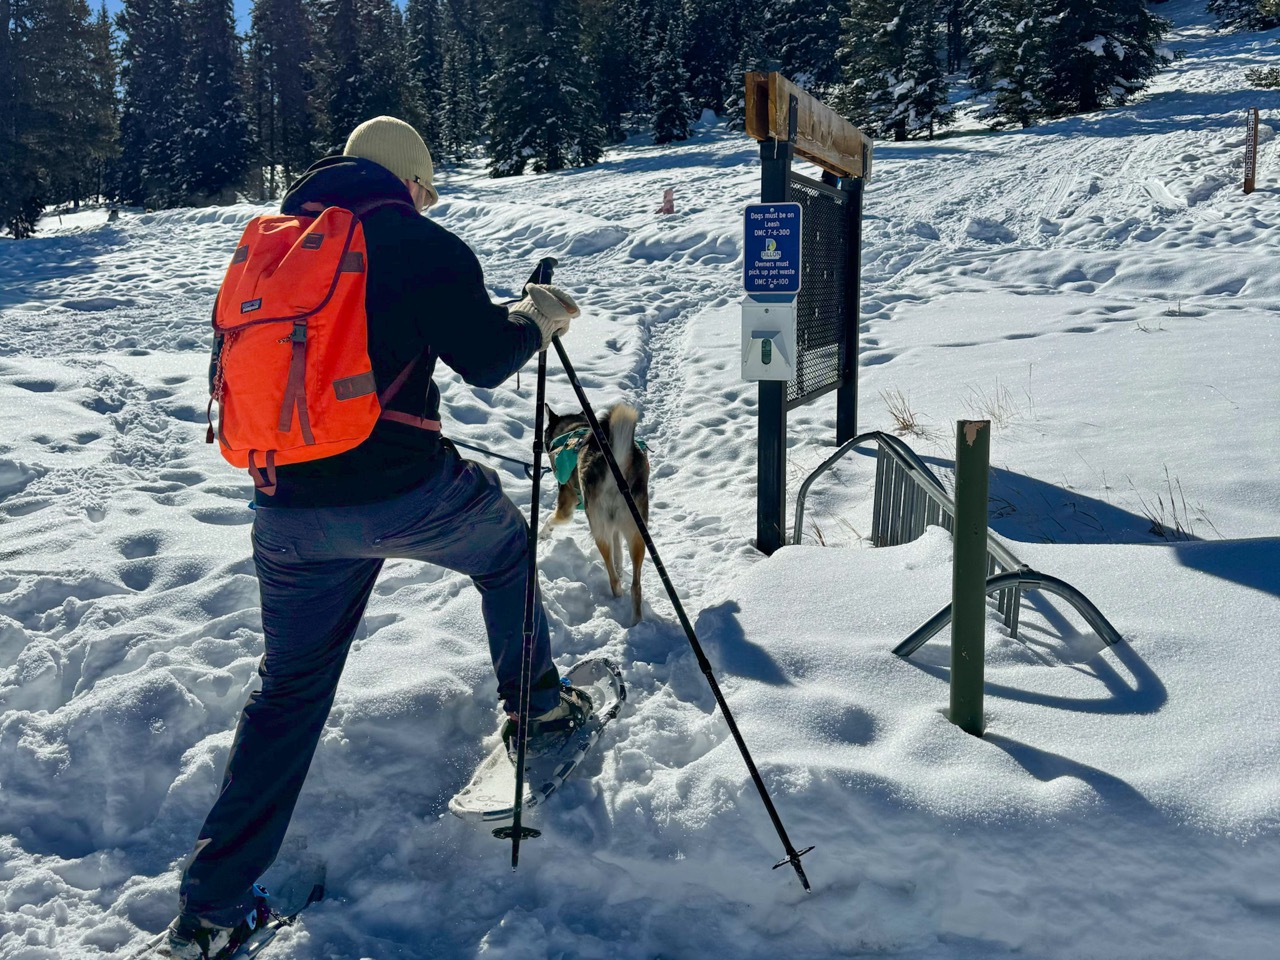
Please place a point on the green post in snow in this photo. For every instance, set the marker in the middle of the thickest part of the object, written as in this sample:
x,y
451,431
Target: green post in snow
x,y
969,574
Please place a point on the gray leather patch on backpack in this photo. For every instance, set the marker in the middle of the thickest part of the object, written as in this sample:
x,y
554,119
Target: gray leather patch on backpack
x,y
361,385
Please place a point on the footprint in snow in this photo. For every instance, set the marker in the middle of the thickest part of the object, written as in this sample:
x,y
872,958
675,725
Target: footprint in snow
x,y
140,545
35,385
221,516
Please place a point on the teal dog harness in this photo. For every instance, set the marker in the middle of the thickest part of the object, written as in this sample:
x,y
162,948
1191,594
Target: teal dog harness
x,y
564,456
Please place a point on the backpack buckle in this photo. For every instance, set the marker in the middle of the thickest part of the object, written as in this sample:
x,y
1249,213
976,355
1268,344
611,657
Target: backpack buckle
x,y
299,334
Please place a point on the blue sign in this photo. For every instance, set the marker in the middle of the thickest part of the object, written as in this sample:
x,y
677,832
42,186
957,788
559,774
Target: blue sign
x,y
771,248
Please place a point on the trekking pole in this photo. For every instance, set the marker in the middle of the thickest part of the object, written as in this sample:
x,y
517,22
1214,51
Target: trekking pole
x,y
516,832
792,857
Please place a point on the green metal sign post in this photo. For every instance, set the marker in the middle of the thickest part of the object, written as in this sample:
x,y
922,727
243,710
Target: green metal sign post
x,y
969,574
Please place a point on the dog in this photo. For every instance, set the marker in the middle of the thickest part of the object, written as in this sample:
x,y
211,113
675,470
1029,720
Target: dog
x,y
590,483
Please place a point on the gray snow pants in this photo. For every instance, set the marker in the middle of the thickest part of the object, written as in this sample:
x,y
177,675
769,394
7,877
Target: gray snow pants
x,y
316,569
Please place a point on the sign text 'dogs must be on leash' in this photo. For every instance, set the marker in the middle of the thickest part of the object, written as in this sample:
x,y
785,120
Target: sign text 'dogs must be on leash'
x,y
771,248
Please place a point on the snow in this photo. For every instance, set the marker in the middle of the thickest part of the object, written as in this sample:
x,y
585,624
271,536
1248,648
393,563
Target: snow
x,y
1099,287
1097,46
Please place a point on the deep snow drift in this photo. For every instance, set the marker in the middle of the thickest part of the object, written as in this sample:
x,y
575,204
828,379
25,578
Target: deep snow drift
x,y
1099,287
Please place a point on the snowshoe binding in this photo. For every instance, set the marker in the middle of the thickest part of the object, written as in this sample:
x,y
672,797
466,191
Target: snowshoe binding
x,y
190,938
549,731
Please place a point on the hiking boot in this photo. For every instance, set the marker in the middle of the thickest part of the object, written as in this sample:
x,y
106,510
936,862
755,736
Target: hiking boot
x,y
549,731
191,938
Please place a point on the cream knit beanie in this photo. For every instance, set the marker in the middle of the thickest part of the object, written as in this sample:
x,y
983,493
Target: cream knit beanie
x,y
394,144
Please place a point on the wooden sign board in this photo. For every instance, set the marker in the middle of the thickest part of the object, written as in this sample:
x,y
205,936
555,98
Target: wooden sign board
x,y
821,135
1251,152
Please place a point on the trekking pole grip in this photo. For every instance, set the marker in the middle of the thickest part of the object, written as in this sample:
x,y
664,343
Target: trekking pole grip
x,y
543,271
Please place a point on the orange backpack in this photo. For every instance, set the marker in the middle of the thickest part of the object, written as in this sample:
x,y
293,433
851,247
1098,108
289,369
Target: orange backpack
x,y
291,372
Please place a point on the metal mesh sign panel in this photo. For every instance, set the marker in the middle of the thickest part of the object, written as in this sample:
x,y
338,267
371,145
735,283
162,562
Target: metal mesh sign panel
x,y
820,307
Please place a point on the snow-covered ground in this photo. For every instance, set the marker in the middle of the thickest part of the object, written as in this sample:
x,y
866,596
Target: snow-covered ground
x,y
1099,287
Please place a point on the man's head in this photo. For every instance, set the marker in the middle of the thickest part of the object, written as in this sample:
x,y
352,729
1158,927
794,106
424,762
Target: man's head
x,y
393,144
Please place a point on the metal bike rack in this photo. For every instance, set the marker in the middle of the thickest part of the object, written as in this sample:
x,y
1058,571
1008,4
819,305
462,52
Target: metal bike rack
x,y
1019,580
908,498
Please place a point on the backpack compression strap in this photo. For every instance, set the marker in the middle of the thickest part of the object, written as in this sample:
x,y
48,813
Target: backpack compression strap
x,y
264,478
396,416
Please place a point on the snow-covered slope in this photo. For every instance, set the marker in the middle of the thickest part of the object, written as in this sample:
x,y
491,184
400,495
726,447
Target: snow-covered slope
x,y
1099,287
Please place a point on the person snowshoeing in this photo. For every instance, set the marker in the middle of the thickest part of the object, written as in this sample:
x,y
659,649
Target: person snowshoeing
x,y
322,528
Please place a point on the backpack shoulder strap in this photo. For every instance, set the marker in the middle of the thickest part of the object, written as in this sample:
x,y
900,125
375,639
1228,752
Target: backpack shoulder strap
x,y
363,208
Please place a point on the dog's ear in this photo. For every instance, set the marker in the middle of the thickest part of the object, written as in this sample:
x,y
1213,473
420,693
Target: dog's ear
x,y
551,414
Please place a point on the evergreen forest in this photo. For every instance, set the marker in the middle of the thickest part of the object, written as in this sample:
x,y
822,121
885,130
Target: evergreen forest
x,y
171,102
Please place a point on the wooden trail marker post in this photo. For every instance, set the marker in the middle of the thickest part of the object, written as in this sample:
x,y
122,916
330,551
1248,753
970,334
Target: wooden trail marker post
x,y
790,124
1251,152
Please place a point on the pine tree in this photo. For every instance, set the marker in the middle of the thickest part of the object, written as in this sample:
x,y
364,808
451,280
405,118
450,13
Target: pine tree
x,y
1016,61
978,17
615,40
464,60
337,67
1264,78
1050,58
928,101
1246,14
423,22
803,36
668,100
73,101
541,109
20,189
282,119
151,70
1107,52
958,15
714,32
750,58
54,59
213,146
387,79
103,104
9,106
55,117
362,70
893,82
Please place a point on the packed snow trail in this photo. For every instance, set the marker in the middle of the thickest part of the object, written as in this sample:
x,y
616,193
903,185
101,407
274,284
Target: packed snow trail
x,y
1096,286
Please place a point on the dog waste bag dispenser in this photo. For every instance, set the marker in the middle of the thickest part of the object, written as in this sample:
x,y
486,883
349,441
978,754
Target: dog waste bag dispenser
x,y
771,278
768,340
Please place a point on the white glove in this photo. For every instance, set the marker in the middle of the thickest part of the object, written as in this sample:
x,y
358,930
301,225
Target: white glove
x,y
549,307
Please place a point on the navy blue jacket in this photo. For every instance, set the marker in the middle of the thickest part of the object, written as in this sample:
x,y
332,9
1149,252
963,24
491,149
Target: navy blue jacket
x,y
425,297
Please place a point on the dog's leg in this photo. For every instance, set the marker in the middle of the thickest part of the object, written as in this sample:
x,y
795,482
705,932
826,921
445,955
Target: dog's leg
x,y
566,503
637,558
610,565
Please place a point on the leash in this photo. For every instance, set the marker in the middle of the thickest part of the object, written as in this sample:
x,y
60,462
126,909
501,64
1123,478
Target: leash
x,y
528,467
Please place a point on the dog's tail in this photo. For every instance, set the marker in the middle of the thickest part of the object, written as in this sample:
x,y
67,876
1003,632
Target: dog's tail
x,y
622,433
